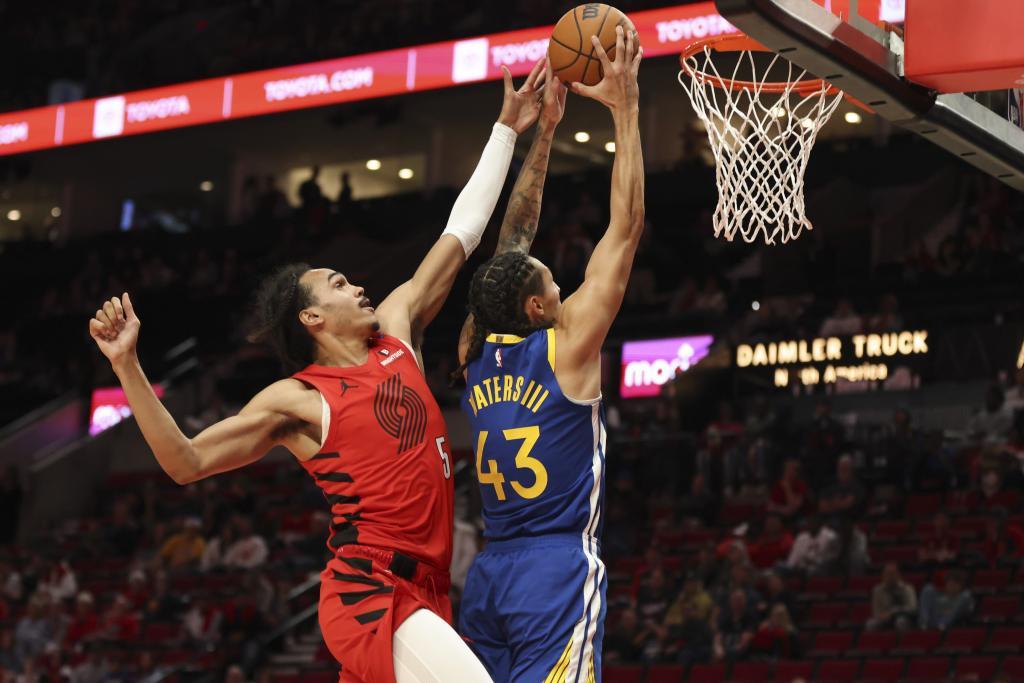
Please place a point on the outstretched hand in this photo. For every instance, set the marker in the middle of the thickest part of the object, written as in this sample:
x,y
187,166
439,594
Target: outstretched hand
x,y
552,99
115,328
618,89
520,108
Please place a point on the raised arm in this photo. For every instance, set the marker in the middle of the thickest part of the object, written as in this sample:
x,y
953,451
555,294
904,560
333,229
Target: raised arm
x,y
519,227
588,314
284,413
412,306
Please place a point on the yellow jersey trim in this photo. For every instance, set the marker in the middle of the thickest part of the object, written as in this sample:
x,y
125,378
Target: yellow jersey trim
x,y
551,348
504,339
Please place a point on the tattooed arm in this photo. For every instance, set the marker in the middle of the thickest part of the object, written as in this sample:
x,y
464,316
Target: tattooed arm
x,y
519,226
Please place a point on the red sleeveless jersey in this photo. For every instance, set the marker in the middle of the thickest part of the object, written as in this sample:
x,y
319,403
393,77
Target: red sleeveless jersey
x,y
384,466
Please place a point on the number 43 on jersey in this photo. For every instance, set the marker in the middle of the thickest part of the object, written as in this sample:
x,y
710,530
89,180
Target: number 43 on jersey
x,y
494,477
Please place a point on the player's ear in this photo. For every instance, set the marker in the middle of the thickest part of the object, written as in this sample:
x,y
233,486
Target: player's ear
x,y
534,308
310,317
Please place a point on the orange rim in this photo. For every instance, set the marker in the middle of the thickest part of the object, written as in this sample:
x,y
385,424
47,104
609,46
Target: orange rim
x,y
742,43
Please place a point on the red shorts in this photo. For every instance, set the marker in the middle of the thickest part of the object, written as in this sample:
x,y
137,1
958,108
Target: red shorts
x,y
363,601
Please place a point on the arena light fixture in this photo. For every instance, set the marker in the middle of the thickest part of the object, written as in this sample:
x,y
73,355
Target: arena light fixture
x,y
14,215
756,305
373,164
610,146
581,136
55,212
206,186
405,173
853,117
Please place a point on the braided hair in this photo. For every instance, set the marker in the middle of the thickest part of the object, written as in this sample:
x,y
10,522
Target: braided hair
x,y
279,299
496,295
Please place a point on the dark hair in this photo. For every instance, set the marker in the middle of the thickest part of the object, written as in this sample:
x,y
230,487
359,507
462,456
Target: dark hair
x,y
279,299
496,295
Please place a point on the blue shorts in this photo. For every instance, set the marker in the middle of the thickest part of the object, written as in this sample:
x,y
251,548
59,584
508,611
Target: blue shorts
x,y
534,608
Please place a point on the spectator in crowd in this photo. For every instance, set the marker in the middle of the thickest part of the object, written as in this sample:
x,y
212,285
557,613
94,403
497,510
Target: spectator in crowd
x,y
121,533
721,439
775,592
825,436
118,623
774,544
628,639
163,604
941,610
888,318
273,205
700,504
249,550
843,321
184,549
893,601
9,660
60,582
34,630
216,548
734,629
992,424
10,581
844,499
940,545
852,556
654,596
692,597
85,623
814,548
203,623
59,622
903,449
138,590
790,496
990,494
777,637
10,504
1003,542
686,630
310,193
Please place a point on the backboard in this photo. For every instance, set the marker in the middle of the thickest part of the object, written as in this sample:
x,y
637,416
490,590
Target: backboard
x,y
851,44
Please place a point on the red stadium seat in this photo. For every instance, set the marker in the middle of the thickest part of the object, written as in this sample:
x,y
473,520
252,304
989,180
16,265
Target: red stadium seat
x,y
976,668
882,670
837,671
859,587
918,642
635,675
996,609
827,586
928,669
990,581
923,505
901,554
876,642
749,672
831,643
786,671
890,531
858,615
658,674
706,673
161,632
1005,640
825,614
970,526
963,641
1014,668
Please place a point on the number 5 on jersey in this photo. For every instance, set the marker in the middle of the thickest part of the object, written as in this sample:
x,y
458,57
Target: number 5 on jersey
x,y
494,477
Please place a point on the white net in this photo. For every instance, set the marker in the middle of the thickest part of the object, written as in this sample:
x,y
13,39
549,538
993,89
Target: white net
x,y
761,134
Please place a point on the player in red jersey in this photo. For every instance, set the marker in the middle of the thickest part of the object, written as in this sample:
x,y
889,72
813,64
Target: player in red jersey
x,y
359,417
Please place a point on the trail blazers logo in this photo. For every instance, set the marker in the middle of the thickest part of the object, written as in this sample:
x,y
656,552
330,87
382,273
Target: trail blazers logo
x,y
400,412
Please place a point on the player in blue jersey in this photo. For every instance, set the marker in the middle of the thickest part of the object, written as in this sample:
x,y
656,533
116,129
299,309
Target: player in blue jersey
x,y
534,603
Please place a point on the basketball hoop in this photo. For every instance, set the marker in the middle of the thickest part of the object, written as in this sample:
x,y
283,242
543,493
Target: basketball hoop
x,y
761,131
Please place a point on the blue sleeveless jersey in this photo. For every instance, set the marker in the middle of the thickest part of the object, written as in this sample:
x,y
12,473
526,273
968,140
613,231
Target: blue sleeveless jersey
x,y
539,454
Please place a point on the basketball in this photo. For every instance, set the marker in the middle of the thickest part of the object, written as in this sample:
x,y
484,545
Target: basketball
x,y
571,53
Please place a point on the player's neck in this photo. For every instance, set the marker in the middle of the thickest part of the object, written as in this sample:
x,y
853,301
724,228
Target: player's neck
x,y
342,352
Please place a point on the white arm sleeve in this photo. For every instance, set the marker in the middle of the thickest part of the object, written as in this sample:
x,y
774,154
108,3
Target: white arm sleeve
x,y
478,198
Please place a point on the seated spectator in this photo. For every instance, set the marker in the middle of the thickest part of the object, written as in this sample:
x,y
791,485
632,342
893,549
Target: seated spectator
x,y
773,545
844,499
654,597
941,610
694,598
843,321
700,504
1003,542
628,639
34,630
776,637
775,592
717,455
119,623
852,556
249,550
989,495
203,623
687,633
85,622
216,548
940,545
162,605
888,318
185,548
893,601
10,581
825,437
814,549
138,591
121,534
790,497
992,424
734,629
10,663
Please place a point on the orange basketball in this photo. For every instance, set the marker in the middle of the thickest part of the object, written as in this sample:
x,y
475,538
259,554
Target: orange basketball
x,y
570,51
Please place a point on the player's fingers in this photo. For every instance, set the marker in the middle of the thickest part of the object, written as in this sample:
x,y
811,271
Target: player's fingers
x,y
536,75
129,309
108,309
118,310
507,78
636,59
580,89
104,320
96,329
620,46
601,54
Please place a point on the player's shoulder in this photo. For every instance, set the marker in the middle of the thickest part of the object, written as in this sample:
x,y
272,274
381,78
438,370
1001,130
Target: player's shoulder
x,y
284,395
